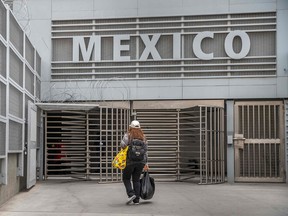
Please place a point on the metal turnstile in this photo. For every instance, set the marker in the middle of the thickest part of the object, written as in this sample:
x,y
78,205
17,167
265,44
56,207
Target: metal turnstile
x,y
185,144
82,144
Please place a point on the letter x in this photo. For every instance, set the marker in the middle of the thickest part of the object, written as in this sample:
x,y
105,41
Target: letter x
x,y
150,47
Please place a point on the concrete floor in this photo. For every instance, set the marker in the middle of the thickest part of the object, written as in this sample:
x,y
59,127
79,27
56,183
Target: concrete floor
x,y
87,198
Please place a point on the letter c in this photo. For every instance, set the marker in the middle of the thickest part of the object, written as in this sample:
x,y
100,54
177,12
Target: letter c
x,y
197,45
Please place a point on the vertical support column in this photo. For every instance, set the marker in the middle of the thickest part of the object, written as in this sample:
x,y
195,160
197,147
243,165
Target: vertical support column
x,y
230,146
88,154
42,147
178,145
286,138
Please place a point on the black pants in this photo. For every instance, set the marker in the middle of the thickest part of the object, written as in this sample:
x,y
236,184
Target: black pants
x,y
134,171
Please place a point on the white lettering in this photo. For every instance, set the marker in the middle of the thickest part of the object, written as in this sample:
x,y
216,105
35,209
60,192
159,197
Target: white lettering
x,y
94,42
118,47
92,49
150,47
176,46
197,45
229,44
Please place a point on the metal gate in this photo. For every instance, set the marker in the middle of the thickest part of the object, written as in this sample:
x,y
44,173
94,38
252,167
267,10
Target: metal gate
x,y
258,141
201,144
185,144
82,144
161,128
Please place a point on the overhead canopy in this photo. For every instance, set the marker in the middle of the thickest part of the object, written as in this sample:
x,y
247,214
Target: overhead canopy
x,y
66,106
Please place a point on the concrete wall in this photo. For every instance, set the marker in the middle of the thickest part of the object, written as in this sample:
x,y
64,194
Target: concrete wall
x,y
41,12
14,186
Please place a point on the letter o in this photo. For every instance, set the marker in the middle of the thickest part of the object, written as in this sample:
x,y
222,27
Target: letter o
x,y
229,44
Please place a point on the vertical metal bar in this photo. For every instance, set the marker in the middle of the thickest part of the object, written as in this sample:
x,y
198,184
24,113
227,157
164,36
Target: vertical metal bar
x,y
121,134
275,122
46,146
253,121
106,143
112,142
248,136
117,140
259,158
259,137
222,145
254,160
200,145
210,146
88,156
264,122
213,145
101,144
253,134
265,165
216,134
269,119
215,142
259,123
206,146
270,161
248,122
275,159
243,132
249,156
178,145
269,126
275,137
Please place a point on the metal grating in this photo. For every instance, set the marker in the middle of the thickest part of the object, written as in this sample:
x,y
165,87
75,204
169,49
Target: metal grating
x,y
2,99
29,52
161,130
260,157
3,21
15,136
3,60
16,34
286,137
83,144
15,102
38,88
261,28
38,64
29,80
185,144
202,144
2,139
16,68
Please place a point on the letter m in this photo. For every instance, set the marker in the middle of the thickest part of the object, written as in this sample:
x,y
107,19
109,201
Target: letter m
x,y
94,45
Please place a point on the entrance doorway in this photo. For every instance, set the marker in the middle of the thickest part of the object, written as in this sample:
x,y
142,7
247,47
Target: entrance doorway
x,y
82,144
184,144
259,142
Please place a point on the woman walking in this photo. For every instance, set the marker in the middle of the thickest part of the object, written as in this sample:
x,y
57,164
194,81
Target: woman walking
x,y
136,160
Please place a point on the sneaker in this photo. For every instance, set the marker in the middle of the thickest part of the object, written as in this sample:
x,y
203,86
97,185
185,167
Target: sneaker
x,y
130,199
136,201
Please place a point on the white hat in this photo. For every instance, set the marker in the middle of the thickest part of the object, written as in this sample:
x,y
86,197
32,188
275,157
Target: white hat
x,y
135,124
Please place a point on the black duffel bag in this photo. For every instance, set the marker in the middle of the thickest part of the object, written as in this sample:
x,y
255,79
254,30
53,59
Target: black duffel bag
x,y
147,188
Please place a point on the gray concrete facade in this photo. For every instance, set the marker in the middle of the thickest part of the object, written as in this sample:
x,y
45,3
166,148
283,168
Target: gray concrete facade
x,y
41,17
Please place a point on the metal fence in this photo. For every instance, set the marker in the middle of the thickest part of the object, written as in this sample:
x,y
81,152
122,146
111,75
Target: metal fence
x,y
183,145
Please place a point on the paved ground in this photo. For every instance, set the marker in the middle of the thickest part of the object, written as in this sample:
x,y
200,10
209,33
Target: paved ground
x,y
87,198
